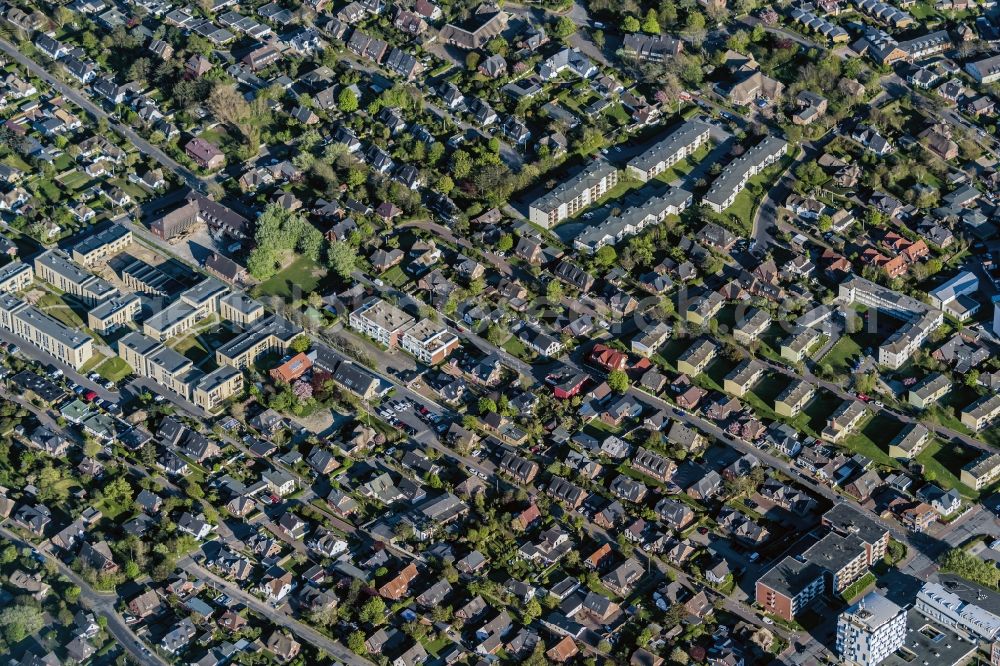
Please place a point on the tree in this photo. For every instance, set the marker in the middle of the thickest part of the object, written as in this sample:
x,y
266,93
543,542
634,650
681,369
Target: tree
x,y
472,61
347,100
373,611
651,24
119,492
630,24
554,291
505,243
598,37
531,611
8,554
356,643
605,256
563,28
19,622
301,343
618,381
486,405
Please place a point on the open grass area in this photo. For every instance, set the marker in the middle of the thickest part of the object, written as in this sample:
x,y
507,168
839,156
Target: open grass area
x,y
943,463
94,361
56,307
395,276
114,369
294,281
872,440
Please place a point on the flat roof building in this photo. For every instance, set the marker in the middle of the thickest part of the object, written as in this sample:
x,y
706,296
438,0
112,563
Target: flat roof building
x,y
380,321
429,341
50,335
870,630
101,245
737,174
15,277
789,587
114,313
56,268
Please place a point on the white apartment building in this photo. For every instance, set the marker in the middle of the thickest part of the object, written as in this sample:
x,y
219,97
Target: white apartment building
x,y
429,342
573,195
946,608
870,630
737,173
680,143
380,321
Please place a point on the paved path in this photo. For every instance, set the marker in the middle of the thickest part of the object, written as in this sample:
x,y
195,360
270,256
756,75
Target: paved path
x,y
101,603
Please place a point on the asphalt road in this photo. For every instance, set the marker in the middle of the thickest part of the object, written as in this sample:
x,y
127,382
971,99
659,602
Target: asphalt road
x,y
307,633
101,603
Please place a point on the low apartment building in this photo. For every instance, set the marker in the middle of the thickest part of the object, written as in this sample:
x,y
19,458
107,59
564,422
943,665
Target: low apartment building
x,y
910,441
697,357
270,335
15,277
56,268
654,465
904,343
751,326
943,606
634,220
574,194
102,245
430,342
843,420
701,310
216,387
380,321
680,143
738,173
982,471
986,70
240,309
742,378
796,346
793,399
929,390
50,335
789,587
114,313
982,412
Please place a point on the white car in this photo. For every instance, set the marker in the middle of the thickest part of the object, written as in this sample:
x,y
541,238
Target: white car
x,y
767,620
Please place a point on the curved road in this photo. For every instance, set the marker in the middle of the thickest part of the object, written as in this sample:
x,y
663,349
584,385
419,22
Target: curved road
x,y
101,603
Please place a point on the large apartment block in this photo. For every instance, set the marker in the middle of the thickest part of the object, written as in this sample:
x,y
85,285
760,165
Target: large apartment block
x,y
274,334
634,220
843,420
48,334
870,631
680,143
102,245
154,360
793,399
843,558
380,321
194,305
844,519
429,342
929,390
56,268
573,195
737,173
15,277
789,587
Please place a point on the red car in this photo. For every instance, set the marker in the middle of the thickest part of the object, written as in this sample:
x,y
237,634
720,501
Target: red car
x,y
863,398
89,396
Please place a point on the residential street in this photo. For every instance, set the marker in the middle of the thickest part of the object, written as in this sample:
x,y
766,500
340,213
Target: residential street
x,y
101,603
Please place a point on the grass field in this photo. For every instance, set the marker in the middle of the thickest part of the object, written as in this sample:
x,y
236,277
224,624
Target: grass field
x,y
872,440
114,369
943,463
295,280
92,362
56,307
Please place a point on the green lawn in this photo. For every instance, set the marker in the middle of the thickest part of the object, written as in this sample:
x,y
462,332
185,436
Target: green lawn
x,y
295,281
943,463
842,355
394,276
872,440
114,369
54,306
92,363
